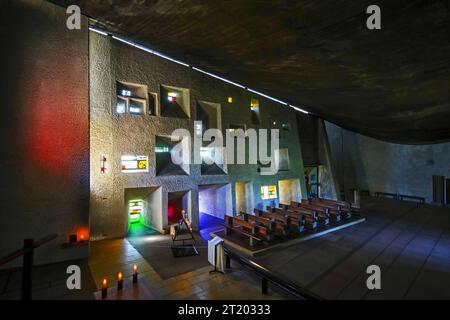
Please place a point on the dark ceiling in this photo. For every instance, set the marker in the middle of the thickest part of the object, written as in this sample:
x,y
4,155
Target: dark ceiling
x,y
392,84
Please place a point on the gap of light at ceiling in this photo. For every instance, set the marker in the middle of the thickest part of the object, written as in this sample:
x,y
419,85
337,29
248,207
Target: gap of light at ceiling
x,y
121,39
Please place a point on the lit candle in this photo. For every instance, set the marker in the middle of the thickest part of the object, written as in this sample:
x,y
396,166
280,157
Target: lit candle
x,y
119,281
82,237
104,288
135,273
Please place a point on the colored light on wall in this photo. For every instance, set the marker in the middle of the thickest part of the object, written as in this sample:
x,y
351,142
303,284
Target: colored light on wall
x,y
268,192
135,210
254,103
172,96
230,99
103,164
135,110
171,212
121,107
162,149
134,164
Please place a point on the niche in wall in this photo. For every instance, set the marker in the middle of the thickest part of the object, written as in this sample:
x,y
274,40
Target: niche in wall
x,y
289,190
213,161
209,114
215,199
150,200
163,157
131,98
244,196
175,102
281,158
254,107
176,202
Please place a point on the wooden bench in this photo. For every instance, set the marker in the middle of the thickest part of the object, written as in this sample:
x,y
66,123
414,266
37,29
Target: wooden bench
x,y
340,207
319,216
274,226
283,217
300,220
249,229
325,212
333,204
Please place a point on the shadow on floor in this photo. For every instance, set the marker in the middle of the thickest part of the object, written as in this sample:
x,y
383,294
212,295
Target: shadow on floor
x,y
49,282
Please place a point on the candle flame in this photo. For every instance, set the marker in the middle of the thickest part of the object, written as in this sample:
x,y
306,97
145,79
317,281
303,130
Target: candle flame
x,y
135,269
119,276
104,282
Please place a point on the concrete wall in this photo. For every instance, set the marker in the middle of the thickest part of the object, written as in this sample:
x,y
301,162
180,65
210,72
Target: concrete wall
x,y
289,190
44,125
365,163
113,135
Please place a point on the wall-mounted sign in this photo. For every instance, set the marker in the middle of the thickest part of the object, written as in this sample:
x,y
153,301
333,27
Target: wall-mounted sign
x,y
268,192
134,163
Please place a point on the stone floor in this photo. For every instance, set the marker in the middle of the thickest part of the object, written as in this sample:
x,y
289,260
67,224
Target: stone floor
x,y
111,256
410,244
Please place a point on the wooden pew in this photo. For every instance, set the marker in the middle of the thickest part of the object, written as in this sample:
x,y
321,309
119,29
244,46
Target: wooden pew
x,y
345,206
249,229
321,217
292,222
345,211
273,225
307,220
334,215
335,204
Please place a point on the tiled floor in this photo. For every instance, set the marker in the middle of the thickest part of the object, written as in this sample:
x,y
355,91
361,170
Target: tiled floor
x,y
111,256
410,244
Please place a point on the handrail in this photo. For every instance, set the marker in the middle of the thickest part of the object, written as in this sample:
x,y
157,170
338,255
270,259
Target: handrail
x,y
398,196
267,275
27,265
16,254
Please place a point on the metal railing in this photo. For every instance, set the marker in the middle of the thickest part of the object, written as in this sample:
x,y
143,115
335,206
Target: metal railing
x,y
27,265
398,196
269,276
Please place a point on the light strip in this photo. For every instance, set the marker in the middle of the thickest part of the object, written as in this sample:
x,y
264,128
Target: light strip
x,y
220,78
156,53
299,109
98,31
266,96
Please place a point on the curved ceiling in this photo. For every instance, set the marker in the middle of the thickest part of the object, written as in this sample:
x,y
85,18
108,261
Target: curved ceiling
x,y
392,84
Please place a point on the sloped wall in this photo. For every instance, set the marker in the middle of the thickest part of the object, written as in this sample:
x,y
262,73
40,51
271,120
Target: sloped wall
x,y
370,164
44,125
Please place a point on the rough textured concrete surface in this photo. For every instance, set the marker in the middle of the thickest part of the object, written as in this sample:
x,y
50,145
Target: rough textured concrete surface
x,y
44,125
390,84
369,164
114,135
